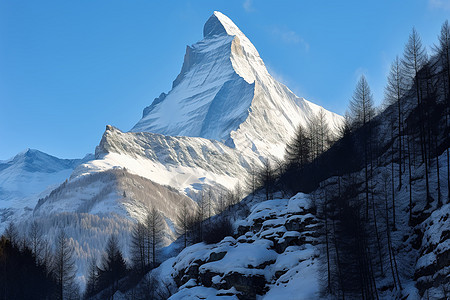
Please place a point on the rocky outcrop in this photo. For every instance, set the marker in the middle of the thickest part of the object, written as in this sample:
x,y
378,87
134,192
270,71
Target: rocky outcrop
x,y
275,239
432,274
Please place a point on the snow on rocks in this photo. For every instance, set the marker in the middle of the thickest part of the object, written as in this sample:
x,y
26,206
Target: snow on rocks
x,y
433,266
263,260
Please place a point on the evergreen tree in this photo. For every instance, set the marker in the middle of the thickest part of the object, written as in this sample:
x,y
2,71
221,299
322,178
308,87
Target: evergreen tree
x,y
112,267
394,92
154,226
184,222
92,279
362,112
298,150
361,105
64,266
22,276
138,247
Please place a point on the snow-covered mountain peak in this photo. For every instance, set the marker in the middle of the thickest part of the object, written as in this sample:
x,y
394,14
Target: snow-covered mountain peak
x,y
219,24
32,160
225,93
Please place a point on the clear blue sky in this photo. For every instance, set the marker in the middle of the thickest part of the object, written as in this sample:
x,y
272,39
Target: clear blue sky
x,y
68,68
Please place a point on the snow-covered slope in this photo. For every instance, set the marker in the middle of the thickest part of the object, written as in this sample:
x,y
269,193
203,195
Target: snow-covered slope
x,y
28,176
224,92
184,163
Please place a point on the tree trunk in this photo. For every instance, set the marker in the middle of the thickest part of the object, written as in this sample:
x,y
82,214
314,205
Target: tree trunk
x,y
399,139
437,172
393,189
377,235
338,260
328,251
410,181
388,233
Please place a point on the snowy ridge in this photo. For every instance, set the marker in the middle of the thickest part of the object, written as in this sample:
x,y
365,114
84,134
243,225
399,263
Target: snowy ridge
x,y
184,163
28,176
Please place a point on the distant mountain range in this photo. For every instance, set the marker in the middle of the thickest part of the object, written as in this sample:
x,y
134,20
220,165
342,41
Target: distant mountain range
x,y
29,175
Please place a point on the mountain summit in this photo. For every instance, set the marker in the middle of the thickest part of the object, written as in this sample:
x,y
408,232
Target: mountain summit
x,y
219,24
224,92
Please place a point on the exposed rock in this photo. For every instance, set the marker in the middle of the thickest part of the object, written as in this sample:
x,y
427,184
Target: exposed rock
x,y
248,285
265,255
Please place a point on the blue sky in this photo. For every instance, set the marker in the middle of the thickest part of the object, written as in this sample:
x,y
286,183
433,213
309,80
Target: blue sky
x,y
68,68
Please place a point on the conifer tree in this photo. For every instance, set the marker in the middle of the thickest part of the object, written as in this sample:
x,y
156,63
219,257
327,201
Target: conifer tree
x,y
35,240
361,105
362,111
298,150
154,226
184,222
324,131
394,92
12,234
92,279
64,265
443,52
414,59
112,267
138,247
267,177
